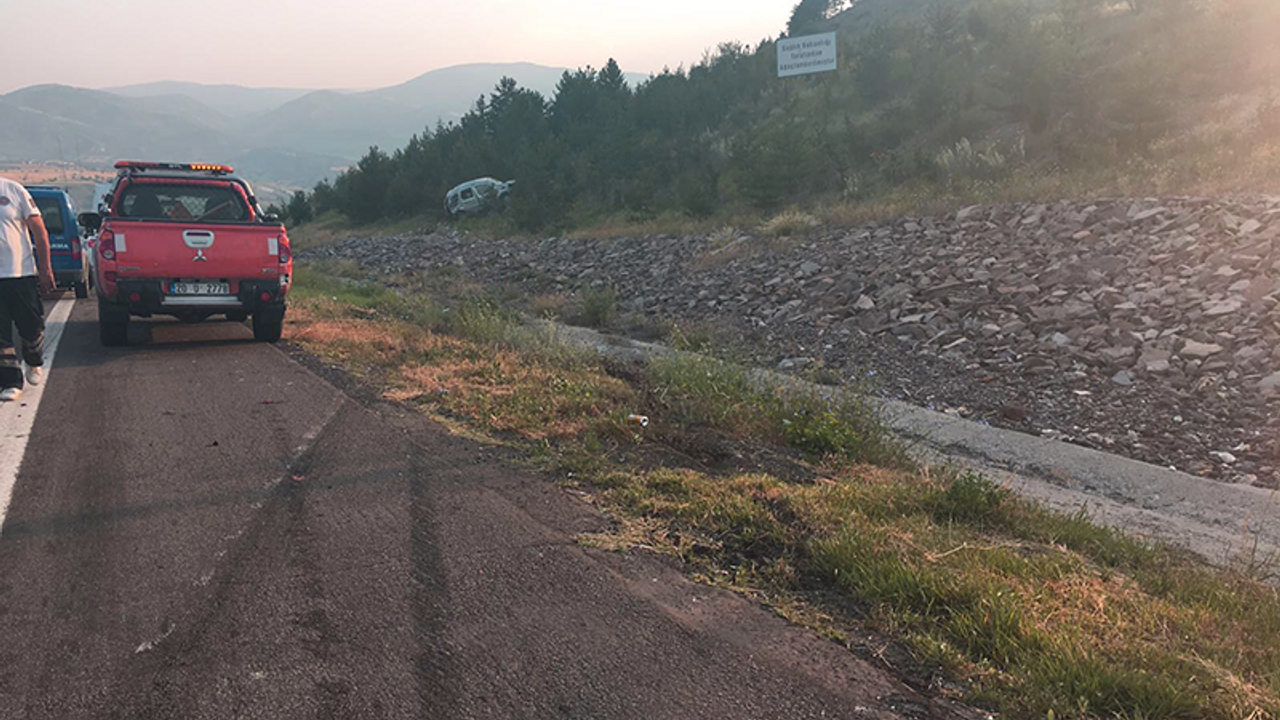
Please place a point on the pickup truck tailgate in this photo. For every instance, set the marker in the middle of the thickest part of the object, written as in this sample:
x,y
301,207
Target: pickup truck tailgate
x,y
167,250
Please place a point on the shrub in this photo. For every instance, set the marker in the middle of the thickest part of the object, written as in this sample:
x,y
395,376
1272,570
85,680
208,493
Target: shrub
x,y
482,321
723,237
789,223
596,308
964,160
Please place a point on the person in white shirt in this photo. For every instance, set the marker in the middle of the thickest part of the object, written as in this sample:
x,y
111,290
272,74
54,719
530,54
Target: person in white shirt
x,y
25,272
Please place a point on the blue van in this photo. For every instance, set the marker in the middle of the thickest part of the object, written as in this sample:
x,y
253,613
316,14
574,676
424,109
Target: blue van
x,y
69,266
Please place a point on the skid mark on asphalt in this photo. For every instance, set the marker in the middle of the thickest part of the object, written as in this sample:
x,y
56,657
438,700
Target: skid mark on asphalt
x,y
17,419
295,464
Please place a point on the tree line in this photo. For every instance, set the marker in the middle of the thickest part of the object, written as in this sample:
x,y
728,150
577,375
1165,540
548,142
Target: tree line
x,y
961,91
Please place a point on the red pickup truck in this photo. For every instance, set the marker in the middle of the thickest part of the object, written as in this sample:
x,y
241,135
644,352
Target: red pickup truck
x,y
187,240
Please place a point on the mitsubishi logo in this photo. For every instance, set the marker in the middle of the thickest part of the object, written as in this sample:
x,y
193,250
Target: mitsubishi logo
x,y
198,240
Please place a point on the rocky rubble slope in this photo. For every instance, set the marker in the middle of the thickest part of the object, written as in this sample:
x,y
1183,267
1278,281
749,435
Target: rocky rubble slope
x,y
1144,327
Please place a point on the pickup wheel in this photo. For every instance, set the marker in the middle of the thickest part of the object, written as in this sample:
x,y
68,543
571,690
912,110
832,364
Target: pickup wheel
x,y
82,290
113,330
267,329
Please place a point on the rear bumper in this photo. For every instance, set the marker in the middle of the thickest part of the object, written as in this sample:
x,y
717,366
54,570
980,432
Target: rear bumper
x,y
67,267
145,298
66,278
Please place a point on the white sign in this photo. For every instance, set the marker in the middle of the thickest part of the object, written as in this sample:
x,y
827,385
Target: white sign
x,y
805,55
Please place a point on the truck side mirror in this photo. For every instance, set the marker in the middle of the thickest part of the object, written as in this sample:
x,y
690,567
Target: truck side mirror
x,y
270,217
90,221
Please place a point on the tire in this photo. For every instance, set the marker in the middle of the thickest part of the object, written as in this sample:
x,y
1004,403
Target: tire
x,y
113,331
267,330
82,290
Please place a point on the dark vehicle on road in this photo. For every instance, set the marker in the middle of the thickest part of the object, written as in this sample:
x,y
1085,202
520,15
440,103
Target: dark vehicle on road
x,y
191,241
70,266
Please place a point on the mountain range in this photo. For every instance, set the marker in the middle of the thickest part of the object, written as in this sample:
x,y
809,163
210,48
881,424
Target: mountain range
x,y
291,137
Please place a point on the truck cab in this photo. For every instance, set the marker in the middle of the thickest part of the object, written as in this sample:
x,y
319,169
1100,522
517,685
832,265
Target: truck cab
x,y
66,253
190,241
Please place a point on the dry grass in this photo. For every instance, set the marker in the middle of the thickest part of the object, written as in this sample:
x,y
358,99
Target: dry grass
x,y
665,224
790,224
723,237
501,389
508,393
1211,167
725,254
31,173
549,306
365,341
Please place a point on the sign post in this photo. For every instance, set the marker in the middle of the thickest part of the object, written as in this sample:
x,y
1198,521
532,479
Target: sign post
x,y
807,55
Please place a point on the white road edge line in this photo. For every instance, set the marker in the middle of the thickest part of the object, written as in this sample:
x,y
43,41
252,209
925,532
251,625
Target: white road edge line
x,y
17,418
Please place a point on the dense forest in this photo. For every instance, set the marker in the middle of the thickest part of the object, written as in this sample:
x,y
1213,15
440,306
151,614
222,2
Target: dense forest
x,y
932,93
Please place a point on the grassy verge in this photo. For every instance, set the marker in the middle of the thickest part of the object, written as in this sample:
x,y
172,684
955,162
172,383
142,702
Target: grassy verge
x,y
333,227
808,504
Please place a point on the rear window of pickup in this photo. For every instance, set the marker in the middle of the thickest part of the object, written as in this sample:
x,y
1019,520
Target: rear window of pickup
x,y
182,202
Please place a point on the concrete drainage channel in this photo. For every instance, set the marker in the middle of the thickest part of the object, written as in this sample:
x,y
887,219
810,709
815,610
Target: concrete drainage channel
x,y
1225,524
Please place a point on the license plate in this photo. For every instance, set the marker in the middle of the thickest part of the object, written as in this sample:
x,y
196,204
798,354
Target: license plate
x,y
200,288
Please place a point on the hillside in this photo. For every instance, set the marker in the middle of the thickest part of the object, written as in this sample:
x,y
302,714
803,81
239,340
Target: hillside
x,y
348,124
442,92
865,15
332,123
185,107
52,122
289,136
233,101
961,99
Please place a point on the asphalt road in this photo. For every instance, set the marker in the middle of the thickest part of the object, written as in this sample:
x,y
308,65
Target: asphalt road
x,y
203,528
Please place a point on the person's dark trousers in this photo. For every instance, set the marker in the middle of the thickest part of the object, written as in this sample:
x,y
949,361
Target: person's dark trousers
x,y
20,305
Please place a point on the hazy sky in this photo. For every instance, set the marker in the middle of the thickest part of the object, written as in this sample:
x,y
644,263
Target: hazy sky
x,y
355,43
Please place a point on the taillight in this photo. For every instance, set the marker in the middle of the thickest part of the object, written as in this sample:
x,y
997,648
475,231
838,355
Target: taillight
x,y
107,245
75,248
285,254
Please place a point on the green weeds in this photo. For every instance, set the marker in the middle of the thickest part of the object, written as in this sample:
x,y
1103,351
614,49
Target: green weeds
x,y
843,425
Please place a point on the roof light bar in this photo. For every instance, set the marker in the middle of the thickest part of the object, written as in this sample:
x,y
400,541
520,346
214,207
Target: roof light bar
x,y
137,166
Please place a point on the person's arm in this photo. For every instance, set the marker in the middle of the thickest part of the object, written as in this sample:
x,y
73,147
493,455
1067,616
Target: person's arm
x,y
40,239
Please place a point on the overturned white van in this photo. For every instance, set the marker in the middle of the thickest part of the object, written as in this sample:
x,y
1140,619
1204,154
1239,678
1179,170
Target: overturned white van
x,y
476,197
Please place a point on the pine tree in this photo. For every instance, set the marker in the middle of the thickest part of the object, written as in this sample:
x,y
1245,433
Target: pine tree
x,y
809,14
612,80
299,209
